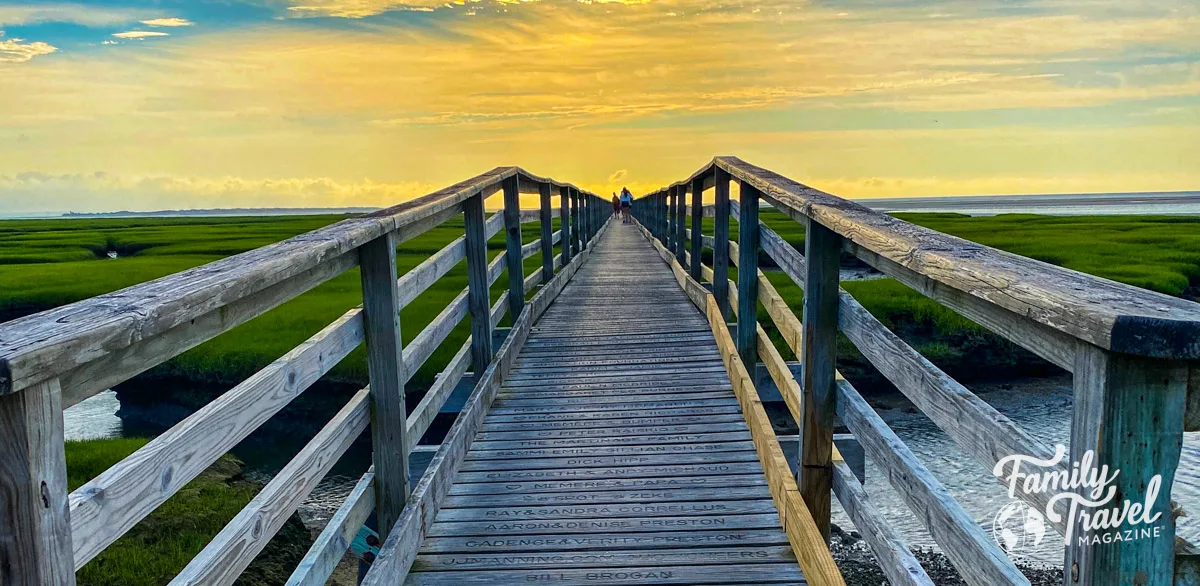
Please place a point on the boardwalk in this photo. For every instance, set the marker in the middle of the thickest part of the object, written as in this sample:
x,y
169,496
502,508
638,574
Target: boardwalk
x,y
615,452
616,436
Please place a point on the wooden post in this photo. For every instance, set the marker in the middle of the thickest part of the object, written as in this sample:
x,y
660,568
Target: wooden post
x,y
664,233
670,211
547,233
721,243
564,223
747,331
588,208
35,519
697,225
512,241
479,301
575,222
681,224
1129,412
381,322
822,248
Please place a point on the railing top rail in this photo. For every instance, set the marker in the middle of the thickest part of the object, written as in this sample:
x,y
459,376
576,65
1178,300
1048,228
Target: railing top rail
x,y
1114,316
45,345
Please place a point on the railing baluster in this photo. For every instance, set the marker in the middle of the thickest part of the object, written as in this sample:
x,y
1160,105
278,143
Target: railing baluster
x,y
721,242
512,232
681,224
1129,411
564,221
547,233
747,342
35,528
478,296
381,320
697,224
575,242
822,249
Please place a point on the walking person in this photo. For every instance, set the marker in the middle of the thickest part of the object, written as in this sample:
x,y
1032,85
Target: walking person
x,y
616,204
626,205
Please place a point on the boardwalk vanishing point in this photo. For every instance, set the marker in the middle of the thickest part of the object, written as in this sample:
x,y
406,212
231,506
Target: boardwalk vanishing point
x,y
614,433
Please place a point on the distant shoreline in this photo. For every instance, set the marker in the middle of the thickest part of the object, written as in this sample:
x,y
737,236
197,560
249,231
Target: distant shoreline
x,y
1134,203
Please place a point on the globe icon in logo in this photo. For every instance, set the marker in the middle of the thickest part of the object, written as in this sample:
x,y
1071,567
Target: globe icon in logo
x,y
1018,527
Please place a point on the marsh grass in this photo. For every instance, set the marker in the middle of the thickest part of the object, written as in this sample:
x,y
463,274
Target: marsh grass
x,y
1159,253
162,544
48,263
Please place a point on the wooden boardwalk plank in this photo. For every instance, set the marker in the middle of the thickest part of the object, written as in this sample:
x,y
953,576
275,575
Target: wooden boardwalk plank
x,y
615,452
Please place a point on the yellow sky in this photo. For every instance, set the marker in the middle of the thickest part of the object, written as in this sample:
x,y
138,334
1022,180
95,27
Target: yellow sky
x,y
367,102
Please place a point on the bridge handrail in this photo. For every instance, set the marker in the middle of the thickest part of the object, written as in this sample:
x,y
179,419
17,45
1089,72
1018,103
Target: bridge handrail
x,y
55,342
80,350
1135,372
1111,315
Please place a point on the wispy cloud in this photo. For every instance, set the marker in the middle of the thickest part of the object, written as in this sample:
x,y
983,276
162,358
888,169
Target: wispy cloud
x,y
92,16
140,34
168,22
362,8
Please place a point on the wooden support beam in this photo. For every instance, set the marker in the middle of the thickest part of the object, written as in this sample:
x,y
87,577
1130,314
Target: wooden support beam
x,y
381,322
697,226
748,275
512,233
822,250
720,243
478,300
547,233
35,523
1129,412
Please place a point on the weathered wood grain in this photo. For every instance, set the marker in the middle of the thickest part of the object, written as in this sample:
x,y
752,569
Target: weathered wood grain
x,y
747,289
973,552
1113,316
106,507
327,551
697,215
416,281
547,239
783,573
604,542
478,282
35,531
399,549
663,557
720,282
47,344
1129,413
896,560
381,324
822,251
224,558
119,365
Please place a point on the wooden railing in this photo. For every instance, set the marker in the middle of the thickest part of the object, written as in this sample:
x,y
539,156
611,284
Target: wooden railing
x,y
60,357
1134,354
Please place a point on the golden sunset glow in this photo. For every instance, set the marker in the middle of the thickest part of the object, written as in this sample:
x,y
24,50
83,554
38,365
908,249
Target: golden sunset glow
x,y
367,102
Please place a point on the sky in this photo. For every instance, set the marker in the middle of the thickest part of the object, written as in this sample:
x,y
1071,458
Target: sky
x,y
169,104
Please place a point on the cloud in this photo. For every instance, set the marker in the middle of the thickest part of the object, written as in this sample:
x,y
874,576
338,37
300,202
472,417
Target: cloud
x,y
618,175
16,14
361,8
168,22
100,191
139,34
18,51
